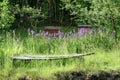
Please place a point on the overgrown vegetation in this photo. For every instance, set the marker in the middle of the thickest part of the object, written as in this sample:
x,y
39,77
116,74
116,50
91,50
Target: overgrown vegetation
x,y
19,19
107,55
61,13
6,17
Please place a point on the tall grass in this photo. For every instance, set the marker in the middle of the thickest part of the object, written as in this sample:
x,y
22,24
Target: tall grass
x,y
18,42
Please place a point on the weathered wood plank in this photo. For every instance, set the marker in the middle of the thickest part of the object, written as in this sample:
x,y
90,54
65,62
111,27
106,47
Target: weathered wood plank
x,y
48,57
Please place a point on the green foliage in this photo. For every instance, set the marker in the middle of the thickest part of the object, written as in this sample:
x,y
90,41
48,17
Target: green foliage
x,y
78,9
28,16
6,17
106,13
96,13
16,43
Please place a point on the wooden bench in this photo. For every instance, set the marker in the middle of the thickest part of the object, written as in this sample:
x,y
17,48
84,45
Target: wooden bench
x,y
48,57
27,58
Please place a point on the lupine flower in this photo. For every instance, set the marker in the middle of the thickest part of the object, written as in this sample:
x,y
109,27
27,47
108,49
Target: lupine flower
x,y
32,31
54,36
37,34
59,32
61,35
51,35
45,33
80,33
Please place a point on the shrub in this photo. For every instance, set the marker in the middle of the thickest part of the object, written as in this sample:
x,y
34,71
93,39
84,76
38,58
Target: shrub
x,y
6,17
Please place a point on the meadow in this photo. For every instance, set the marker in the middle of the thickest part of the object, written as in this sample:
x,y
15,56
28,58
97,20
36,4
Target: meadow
x,y
23,42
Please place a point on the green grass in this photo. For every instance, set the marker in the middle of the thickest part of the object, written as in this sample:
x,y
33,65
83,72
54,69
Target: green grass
x,y
106,57
101,61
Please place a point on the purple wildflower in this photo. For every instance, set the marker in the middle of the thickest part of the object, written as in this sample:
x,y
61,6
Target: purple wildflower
x,y
61,35
45,33
32,31
37,34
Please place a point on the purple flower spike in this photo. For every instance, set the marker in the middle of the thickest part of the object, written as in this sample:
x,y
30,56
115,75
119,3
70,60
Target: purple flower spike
x,y
32,31
61,35
45,33
38,34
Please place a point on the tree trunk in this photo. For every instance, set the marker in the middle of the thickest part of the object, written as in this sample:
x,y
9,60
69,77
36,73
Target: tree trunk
x,y
49,11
